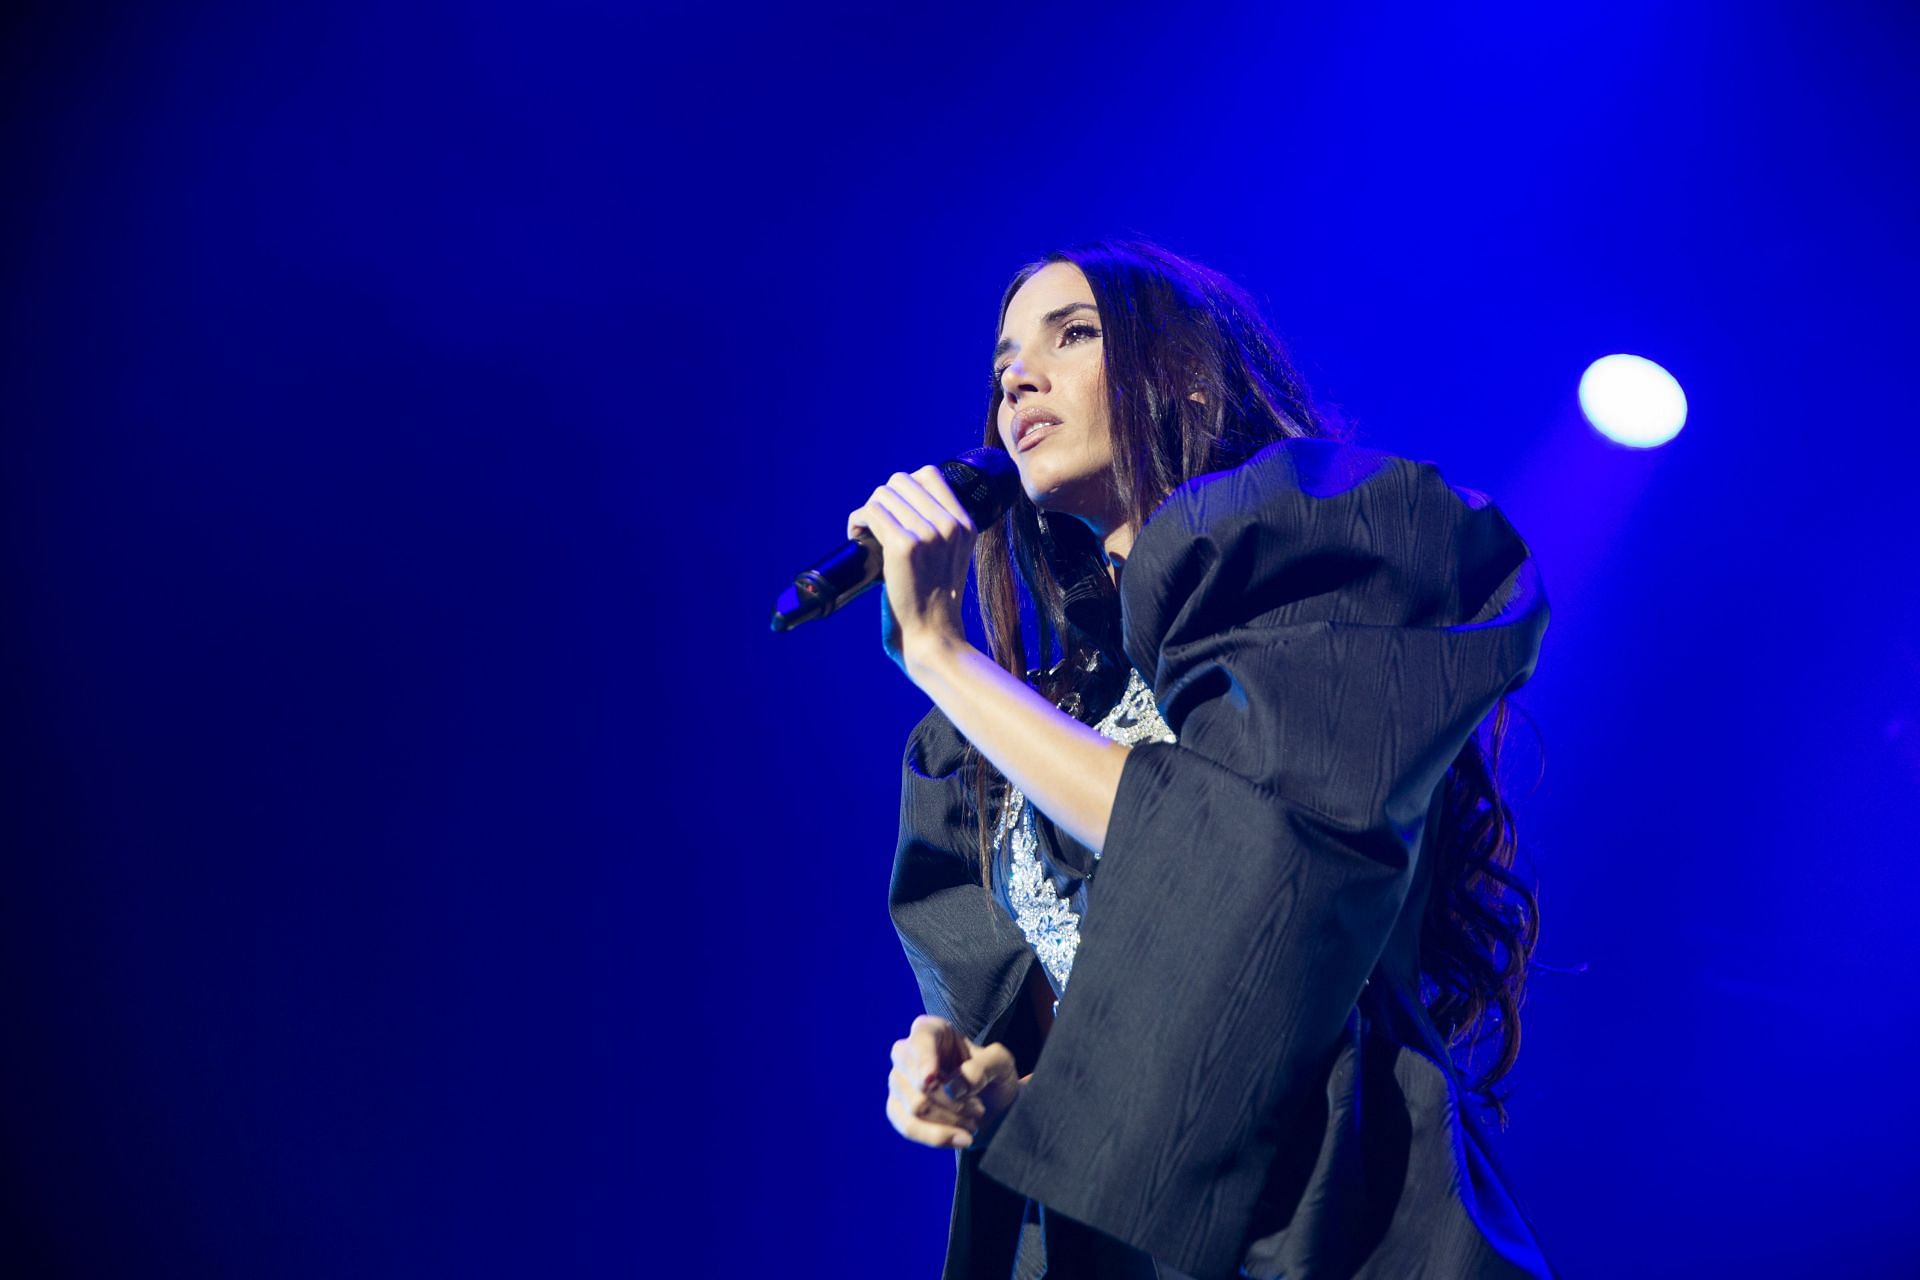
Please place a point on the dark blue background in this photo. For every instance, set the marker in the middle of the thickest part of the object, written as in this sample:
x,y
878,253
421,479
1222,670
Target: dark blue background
x,y
420,858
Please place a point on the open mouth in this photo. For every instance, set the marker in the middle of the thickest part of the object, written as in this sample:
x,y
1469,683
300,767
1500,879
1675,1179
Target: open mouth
x,y
1034,434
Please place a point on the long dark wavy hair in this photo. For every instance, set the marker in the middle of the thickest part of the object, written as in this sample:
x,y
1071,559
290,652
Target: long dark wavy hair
x,y
1172,327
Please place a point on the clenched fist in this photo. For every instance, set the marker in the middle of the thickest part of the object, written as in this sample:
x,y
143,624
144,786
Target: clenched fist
x,y
945,1090
926,543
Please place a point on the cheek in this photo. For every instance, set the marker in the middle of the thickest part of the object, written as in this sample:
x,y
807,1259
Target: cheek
x,y
1093,404
1100,437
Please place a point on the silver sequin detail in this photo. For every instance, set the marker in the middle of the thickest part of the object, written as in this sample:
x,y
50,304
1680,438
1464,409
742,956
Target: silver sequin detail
x,y
1048,920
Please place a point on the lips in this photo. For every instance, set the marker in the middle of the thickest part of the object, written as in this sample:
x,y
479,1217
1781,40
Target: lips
x,y
1032,435
1030,426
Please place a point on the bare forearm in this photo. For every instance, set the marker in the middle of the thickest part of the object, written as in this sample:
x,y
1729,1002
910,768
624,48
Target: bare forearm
x,y
1069,771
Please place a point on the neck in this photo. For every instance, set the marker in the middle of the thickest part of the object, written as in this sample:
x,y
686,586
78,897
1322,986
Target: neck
x,y
1116,534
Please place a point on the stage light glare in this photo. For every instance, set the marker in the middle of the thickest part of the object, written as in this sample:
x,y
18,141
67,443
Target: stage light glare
x,y
1633,401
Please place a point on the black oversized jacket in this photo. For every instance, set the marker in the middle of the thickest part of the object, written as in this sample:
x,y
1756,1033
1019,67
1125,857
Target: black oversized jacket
x,y
1240,1072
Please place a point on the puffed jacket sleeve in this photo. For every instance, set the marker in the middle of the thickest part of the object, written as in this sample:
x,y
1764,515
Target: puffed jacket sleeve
x,y
967,955
971,964
1323,628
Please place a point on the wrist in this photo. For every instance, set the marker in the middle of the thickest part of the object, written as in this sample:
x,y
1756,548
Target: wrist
x,y
931,655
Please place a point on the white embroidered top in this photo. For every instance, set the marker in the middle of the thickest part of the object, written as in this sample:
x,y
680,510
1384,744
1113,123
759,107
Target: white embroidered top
x,y
1049,921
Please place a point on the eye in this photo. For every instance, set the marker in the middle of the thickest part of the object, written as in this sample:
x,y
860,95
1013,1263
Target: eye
x,y
1066,336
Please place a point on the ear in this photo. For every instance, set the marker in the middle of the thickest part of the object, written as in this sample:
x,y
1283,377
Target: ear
x,y
1201,396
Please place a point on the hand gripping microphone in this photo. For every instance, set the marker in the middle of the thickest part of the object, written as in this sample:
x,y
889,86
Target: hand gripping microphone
x,y
984,480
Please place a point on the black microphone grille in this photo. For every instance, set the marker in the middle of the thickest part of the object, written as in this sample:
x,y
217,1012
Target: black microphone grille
x,y
986,482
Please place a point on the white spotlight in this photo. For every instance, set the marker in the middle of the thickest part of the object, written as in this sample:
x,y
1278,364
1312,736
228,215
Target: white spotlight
x,y
1633,401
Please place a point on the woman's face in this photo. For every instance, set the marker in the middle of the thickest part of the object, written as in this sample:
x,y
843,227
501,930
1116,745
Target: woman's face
x,y
1053,408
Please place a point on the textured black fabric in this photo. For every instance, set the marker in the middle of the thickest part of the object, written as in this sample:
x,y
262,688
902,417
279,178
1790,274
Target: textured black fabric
x,y
1323,627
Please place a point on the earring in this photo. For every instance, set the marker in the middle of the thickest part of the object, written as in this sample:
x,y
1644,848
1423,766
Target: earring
x,y
1044,531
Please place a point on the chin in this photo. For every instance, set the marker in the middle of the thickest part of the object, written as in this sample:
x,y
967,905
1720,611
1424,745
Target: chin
x,y
1058,494
1040,489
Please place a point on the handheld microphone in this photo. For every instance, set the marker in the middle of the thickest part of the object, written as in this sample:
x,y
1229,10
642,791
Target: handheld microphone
x,y
984,480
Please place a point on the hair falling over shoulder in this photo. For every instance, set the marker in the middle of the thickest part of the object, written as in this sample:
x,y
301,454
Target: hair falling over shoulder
x,y
1483,920
1172,327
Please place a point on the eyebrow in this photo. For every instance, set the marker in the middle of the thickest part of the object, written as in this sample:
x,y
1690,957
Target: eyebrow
x,y
1048,320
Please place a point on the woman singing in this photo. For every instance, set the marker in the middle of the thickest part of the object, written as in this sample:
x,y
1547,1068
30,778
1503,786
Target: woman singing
x,y
1199,911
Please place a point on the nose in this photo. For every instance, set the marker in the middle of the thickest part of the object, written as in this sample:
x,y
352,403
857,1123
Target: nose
x,y
1022,378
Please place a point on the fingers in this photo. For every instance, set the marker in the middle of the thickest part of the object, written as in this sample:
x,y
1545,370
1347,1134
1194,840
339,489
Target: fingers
x,y
921,504
910,515
934,1108
929,1133
931,1052
926,495
943,1087
935,487
941,1046
878,518
991,1065
930,1120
